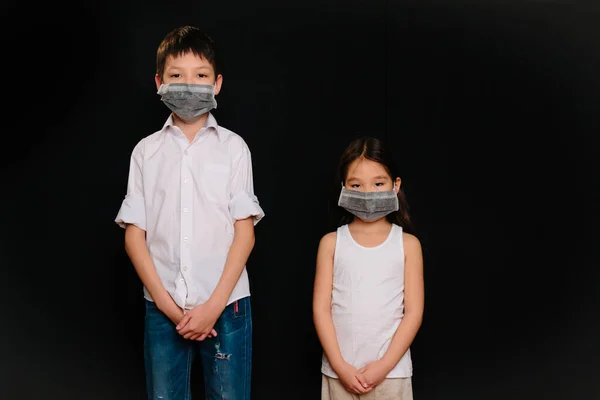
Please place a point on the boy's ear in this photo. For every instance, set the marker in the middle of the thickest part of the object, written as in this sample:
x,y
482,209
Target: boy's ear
x,y
158,81
218,83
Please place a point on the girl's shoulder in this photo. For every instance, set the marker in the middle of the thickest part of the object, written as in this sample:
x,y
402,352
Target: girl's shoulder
x,y
410,242
329,238
327,243
332,236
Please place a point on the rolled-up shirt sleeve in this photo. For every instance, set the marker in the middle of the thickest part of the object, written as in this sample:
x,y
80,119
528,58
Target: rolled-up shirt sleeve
x,y
243,203
133,210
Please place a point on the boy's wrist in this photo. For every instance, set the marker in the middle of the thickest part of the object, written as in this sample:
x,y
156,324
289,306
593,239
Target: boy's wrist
x,y
162,300
218,303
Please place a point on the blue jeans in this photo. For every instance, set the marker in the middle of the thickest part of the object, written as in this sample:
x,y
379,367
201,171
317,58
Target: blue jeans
x,y
226,358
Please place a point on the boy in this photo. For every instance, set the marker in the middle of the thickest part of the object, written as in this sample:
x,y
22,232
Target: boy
x,y
189,216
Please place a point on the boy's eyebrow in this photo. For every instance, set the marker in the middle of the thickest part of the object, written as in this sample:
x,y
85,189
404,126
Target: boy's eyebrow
x,y
177,67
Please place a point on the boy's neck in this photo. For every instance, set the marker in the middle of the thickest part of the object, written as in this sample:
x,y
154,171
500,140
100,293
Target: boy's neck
x,y
190,129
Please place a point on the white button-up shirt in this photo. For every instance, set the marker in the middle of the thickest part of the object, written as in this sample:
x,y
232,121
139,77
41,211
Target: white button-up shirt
x,y
187,196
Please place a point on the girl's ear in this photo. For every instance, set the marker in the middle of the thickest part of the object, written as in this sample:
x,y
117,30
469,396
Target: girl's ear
x,y
397,184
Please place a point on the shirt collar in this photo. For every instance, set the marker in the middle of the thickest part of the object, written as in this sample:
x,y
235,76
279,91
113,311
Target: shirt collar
x,y
210,124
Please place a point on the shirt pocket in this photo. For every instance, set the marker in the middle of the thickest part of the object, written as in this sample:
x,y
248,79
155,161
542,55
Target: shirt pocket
x,y
215,183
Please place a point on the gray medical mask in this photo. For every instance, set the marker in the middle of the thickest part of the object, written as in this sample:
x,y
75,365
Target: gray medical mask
x,y
187,100
369,206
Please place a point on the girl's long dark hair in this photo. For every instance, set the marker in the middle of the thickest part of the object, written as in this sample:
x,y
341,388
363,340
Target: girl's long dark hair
x,y
372,149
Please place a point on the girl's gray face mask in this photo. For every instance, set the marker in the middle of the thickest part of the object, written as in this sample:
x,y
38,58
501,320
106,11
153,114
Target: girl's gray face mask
x,y
187,100
369,206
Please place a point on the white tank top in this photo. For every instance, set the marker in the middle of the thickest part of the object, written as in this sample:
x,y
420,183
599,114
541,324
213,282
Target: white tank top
x,y
367,302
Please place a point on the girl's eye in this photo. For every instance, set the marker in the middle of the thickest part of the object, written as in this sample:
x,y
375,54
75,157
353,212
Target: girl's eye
x,y
379,184
175,75
355,185
201,76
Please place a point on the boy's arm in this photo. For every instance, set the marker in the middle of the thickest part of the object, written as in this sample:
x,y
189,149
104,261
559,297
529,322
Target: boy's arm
x,y
246,212
132,217
413,314
204,316
135,246
241,247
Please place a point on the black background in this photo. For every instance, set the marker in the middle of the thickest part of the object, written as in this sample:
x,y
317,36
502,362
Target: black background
x,y
491,110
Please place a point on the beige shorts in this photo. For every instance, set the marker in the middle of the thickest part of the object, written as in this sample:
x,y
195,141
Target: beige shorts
x,y
389,389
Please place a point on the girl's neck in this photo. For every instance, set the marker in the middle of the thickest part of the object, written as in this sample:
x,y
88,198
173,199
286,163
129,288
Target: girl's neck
x,y
190,128
367,227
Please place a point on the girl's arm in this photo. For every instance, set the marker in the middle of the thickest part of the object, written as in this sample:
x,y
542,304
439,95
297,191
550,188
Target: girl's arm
x,y
322,301
414,294
347,373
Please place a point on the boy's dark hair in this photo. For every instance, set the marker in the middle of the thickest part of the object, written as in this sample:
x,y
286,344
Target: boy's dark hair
x,y
372,149
182,40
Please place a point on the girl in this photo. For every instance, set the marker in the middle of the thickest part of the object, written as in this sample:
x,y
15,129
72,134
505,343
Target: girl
x,y
369,292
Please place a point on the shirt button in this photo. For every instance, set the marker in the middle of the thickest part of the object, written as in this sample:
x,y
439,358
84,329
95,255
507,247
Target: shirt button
x,y
185,239
184,268
185,180
185,210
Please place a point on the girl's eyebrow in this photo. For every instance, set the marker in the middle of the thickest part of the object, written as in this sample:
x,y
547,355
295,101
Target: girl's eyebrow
x,y
381,177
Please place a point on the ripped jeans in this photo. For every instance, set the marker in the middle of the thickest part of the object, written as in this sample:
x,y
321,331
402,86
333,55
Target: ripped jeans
x,y
226,358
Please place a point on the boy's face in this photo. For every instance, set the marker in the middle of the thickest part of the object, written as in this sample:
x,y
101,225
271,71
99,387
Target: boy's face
x,y
365,175
189,68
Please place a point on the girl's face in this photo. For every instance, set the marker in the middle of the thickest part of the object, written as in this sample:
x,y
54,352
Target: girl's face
x,y
366,175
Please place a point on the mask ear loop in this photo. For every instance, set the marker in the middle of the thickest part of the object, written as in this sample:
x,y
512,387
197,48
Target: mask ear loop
x,y
341,193
396,197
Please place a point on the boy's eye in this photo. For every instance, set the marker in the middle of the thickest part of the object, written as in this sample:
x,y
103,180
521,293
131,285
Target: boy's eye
x,y
355,185
379,184
201,76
